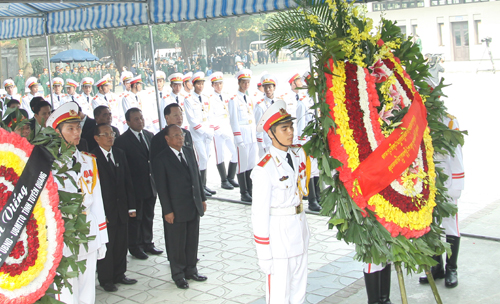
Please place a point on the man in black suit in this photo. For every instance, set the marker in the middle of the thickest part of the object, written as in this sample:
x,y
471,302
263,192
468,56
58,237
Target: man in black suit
x,y
41,110
182,200
119,205
136,142
173,116
102,115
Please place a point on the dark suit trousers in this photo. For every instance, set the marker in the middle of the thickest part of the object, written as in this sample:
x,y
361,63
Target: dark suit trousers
x,y
140,228
114,264
182,247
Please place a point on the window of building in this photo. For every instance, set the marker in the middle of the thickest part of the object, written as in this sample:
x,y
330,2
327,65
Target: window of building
x,y
440,33
403,29
477,31
451,2
398,4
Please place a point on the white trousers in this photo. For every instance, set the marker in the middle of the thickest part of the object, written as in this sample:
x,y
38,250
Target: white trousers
x,y
83,285
246,157
288,283
450,224
219,143
202,153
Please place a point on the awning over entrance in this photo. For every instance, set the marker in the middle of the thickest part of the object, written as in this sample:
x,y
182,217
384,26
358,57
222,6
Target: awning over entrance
x,y
22,19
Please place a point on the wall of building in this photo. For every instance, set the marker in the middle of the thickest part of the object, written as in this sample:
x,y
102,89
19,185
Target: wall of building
x,y
483,21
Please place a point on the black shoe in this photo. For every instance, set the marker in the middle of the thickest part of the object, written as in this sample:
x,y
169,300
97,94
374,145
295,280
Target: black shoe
x,y
207,193
451,277
436,271
246,198
233,183
210,191
139,254
197,277
182,283
314,206
109,287
126,281
226,185
153,250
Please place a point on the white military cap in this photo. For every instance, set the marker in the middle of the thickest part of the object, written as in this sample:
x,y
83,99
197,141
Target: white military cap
x,y
57,81
87,81
65,113
216,77
175,78
31,81
244,74
268,79
198,76
161,75
275,114
71,83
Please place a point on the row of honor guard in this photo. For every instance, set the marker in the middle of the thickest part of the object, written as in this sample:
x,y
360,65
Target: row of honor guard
x,y
226,121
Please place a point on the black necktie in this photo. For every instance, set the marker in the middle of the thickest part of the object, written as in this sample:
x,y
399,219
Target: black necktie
x,y
136,99
161,95
177,99
245,98
143,143
58,98
272,101
183,162
220,96
74,160
105,98
88,99
110,163
289,159
73,98
199,97
297,97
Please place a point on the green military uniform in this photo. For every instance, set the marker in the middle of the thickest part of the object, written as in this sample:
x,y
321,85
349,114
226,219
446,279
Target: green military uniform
x,y
20,82
44,78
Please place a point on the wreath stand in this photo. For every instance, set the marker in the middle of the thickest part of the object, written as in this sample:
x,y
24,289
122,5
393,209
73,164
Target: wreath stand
x,y
402,287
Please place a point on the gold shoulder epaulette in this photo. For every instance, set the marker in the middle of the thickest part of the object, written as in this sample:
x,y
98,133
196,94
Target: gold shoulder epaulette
x,y
88,154
264,160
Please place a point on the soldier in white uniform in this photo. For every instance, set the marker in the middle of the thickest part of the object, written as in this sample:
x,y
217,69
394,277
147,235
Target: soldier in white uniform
x,y
242,120
66,122
279,222
268,82
32,85
85,99
304,115
10,87
132,99
223,135
174,97
57,94
71,87
452,166
197,108
105,98
187,85
150,110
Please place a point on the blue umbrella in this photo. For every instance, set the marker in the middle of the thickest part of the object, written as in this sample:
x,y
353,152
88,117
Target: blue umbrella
x,y
73,56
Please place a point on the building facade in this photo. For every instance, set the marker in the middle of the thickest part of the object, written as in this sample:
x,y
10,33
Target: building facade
x,y
458,29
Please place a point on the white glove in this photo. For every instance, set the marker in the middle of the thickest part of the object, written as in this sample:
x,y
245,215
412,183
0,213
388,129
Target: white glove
x,y
240,145
218,132
266,266
101,252
209,135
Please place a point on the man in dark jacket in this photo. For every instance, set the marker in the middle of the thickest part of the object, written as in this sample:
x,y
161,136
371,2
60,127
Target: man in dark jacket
x,y
183,203
173,115
136,143
102,115
119,205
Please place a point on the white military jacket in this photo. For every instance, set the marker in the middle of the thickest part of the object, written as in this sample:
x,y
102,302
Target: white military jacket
x,y
85,102
57,99
25,103
89,185
111,100
279,236
263,140
219,114
242,119
304,116
197,117
453,166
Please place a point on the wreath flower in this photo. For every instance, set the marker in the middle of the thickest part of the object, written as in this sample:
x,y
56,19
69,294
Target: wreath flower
x,y
31,266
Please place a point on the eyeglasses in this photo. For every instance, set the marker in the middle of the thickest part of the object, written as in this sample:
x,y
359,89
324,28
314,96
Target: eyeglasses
x,y
112,134
178,135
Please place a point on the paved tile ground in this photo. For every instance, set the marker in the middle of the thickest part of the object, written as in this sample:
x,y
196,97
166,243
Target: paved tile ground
x,y
227,256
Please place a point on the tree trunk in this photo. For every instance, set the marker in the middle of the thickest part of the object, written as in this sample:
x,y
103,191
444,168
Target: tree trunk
x,y
119,51
232,39
21,53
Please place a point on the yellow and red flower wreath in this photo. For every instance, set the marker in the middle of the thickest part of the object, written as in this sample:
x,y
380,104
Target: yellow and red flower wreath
x,y
405,207
30,268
